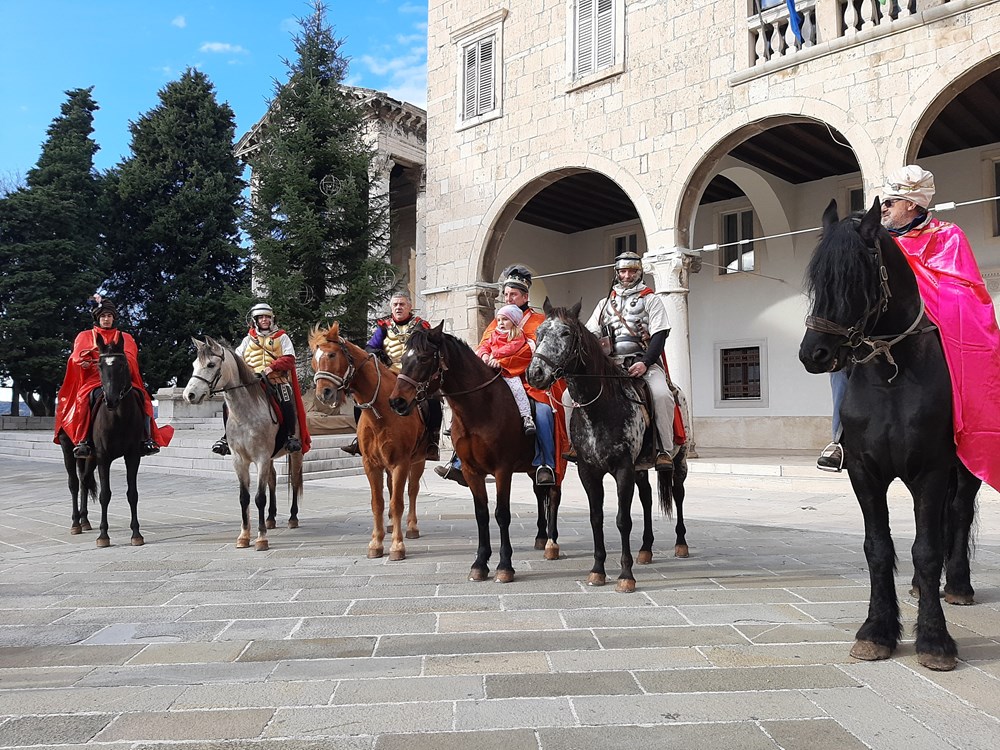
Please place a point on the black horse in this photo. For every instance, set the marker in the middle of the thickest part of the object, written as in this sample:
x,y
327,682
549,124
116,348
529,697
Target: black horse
x,y
82,484
610,434
897,422
118,431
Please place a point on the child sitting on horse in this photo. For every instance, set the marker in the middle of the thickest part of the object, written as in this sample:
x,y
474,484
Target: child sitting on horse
x,y
509,350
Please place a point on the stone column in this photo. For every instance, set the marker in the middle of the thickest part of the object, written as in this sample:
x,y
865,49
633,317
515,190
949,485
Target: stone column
x,y
670,268
420,241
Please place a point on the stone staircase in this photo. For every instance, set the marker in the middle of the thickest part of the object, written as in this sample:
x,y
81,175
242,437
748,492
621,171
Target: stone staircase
x,y
190,452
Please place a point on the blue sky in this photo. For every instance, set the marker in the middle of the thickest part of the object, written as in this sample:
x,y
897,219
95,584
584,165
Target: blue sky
x,y
130,49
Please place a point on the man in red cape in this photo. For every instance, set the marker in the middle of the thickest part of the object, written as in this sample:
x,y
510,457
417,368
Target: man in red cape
x,y
268,350
73,408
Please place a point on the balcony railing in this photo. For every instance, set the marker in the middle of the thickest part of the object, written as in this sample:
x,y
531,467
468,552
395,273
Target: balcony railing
x,y
770,29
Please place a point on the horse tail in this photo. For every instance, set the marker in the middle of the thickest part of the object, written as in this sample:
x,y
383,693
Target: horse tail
x,y
295,474
665,485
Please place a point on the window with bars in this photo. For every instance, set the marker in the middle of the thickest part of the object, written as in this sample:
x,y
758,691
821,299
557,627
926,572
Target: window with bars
x,y
595,36
479,96
996,203
739,368
736,252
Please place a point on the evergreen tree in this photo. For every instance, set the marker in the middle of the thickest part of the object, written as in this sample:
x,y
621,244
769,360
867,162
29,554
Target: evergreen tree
x,y
177,266
318,225
50,236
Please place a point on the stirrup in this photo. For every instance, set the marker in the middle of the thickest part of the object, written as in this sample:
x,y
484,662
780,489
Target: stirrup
x,y
544,476
149,448
570,455
293,445
83,449
433,452
529,426
221,447
832,458
354,449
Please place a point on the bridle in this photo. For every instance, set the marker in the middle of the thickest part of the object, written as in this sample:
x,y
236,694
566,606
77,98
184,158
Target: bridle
x,y
125,391
423,388
212,390
859,334
345,382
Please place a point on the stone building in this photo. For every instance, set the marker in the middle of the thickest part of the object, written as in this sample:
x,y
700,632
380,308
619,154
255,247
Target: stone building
x,y
709,136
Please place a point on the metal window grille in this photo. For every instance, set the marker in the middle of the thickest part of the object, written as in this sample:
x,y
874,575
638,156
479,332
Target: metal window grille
x,y
740,368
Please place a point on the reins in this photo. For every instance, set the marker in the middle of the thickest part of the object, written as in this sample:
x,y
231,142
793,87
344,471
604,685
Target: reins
x,y
345,382
422,387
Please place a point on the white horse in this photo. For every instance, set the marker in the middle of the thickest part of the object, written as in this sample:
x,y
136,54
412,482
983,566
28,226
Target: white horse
x,y
252,428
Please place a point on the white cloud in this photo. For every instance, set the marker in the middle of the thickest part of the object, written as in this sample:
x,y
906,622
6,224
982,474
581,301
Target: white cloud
x,y
222,47
412,8
405,77
179,22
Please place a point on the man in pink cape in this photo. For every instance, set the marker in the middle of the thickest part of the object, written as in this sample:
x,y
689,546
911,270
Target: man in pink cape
x,y
958,302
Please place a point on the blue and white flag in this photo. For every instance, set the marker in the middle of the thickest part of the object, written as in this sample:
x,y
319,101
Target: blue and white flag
x,y
793,19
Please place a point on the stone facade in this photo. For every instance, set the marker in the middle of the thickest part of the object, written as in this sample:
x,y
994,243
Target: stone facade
x,y
688,83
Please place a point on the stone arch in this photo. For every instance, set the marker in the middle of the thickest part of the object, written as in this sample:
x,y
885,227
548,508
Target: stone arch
x,y
695,172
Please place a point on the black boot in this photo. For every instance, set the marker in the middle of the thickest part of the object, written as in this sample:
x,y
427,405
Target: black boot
x,y
149,448
354,449
221,446
83,449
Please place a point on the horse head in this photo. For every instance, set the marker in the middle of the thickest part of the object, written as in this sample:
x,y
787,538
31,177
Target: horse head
x,y
558,345
208,370
423,368
332,364
116,378
848,288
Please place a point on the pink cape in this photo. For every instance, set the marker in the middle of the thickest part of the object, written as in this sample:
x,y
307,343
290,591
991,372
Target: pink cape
x,y
957,301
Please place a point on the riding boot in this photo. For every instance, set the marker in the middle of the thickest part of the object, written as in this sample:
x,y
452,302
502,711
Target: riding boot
x,y
149,446
288,413
433,425
354,449
221,445
85,448
433,447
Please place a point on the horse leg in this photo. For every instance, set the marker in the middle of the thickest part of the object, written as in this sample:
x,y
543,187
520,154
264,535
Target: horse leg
x,y
477,485
645,555
397,550
104,469
548,514
412,488
375,474
505,567
936,649
264,470
591,479
272,502
880,633
960,516
74,481
85,468
677,485
541,535
625,480
132,493
242,469
294,481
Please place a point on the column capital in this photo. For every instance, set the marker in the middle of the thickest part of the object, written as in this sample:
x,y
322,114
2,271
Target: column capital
x,y
670,267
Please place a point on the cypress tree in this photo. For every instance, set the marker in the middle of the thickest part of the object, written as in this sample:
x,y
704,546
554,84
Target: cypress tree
x,y
50,238
318,224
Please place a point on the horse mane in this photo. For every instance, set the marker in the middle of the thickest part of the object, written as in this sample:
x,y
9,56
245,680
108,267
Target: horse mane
x,y
842,261
591,354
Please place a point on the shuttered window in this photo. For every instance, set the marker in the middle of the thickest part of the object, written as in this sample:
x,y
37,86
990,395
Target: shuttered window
x,y
594,36
479,91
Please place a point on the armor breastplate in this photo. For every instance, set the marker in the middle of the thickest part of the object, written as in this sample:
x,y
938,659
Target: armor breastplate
x,y
261,352
396,336
632,308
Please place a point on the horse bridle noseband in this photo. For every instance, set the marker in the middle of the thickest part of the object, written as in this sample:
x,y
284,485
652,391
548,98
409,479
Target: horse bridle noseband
x,y
212,390
344,383
423,387
857,335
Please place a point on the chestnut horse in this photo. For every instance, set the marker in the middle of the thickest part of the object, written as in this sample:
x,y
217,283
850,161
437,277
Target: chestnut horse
x,y
389,443
488,435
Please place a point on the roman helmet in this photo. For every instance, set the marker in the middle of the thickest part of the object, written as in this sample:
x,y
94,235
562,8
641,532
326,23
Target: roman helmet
x,y
261,308
629,260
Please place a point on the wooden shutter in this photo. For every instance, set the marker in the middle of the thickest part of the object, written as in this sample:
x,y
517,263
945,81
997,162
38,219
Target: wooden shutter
x,y
584,37
469,82
604,42
479,63
486,71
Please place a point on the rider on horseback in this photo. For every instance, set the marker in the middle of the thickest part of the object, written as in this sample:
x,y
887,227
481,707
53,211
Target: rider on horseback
x,y
389,340
82,383
635,320
269,351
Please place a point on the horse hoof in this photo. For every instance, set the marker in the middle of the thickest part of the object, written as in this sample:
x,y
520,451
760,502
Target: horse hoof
x,y
75,530
103,542
479,574
293,523
261,545
551,551
540,543
397,555
504,576
868,651
625,586
374,553
269,523
86,526
937,662
963,600
645,557
242,543
680,550
412,534
597,579
138,541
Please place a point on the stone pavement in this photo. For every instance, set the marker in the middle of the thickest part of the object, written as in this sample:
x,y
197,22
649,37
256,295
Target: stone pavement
x,y
188,642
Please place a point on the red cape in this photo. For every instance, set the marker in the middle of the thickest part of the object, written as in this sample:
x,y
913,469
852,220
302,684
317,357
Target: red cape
x,y
83,376
958,302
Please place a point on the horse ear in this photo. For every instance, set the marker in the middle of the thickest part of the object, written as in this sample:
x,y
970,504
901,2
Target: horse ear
x,y
438,330
546,305
871,223
830,216
333,332
198,345
575,309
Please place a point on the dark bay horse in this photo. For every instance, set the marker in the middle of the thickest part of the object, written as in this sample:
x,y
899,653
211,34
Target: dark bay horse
x,y
487,433
609,431
253,430
389,442
866,311
82,484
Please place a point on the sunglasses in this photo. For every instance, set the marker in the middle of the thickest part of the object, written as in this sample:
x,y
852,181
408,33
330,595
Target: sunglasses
x,y
888,202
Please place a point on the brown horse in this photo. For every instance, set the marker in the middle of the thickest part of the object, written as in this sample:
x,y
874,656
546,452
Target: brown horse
x,y
390,444
488,435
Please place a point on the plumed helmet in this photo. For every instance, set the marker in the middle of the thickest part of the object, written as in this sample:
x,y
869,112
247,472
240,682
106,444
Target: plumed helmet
x,y
105,306
628,260
516,276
